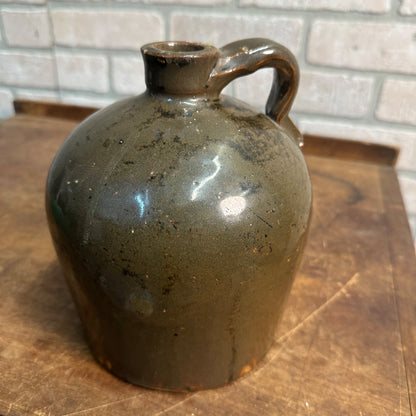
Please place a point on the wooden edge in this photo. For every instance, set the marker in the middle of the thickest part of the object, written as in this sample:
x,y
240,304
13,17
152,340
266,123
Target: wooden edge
x,y
313,145
403,260
349,149
43,109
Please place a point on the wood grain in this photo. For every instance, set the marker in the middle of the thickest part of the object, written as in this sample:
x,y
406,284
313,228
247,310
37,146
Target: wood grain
x,y
351,150
346,344
57,110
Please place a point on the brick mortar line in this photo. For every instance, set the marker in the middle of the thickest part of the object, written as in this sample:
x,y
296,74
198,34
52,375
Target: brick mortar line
x,y
28,50
53,49
355,72
226,9
395,8
110,75
302,55
408,174
22,6
378,82
392,15
34,89
166,24
358,122
3,41
96,95
22,90
338,15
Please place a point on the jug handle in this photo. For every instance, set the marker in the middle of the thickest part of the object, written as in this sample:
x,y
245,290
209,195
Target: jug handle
x,y
247,56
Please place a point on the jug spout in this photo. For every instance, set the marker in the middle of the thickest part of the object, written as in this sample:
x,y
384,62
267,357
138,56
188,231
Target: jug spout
x,y
180,68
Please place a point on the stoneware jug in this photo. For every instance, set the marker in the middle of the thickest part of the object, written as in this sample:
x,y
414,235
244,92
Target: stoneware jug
x,y
179,217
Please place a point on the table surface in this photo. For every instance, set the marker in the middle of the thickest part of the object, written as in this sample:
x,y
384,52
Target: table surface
x,y
346,344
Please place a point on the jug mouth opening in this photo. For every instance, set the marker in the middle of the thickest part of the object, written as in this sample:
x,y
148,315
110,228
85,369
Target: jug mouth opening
x,y
178,49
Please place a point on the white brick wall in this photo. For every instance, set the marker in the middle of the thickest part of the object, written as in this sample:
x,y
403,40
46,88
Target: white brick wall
x,y
319,92
24,1
85,100
408,186
193,2
106,29
220,29
408,7
37,95
357,58
128,74
27,27
6,103
339,94
27,69
362,45
372,6
82,72
398,101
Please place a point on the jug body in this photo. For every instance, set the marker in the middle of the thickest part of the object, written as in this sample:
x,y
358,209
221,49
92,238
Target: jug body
x,y
179,221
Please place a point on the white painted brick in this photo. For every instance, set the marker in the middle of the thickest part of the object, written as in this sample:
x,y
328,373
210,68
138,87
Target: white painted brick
x,y
333,94
82,72
106,28
24,1
404,139
193,2
407,182
34,95
363,45
6,104
128,74
254,88
85,100
372,6
412,223
27,70
27,28
408,7
318,93
398,102
218,30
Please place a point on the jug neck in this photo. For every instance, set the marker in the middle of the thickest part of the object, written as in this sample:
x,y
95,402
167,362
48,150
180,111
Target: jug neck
x,y
178,68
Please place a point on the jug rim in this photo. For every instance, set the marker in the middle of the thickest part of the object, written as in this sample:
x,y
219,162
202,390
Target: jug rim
x,y
179,49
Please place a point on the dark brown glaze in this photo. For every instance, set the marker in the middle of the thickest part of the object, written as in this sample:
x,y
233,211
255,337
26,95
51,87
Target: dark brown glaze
x,y
247,56
179,217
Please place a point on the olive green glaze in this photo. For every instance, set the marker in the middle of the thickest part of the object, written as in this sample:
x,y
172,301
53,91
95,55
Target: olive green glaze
x,y
179,218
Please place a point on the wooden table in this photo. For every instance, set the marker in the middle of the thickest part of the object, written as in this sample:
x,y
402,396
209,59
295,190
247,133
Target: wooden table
x,y
347,342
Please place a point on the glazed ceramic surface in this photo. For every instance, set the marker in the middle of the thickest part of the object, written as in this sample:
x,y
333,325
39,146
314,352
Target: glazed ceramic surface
x,y
179,217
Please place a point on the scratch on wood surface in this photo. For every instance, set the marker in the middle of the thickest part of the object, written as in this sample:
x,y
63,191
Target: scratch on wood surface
x,y
125,400
400,387
40,412
341,292
103,406
185,399
23,409
304,366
